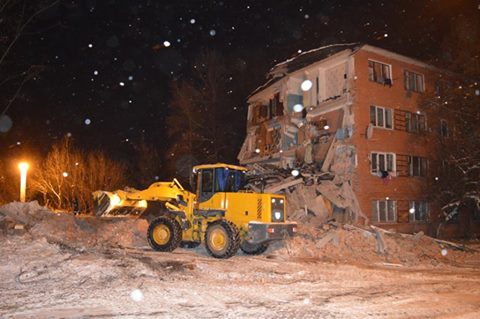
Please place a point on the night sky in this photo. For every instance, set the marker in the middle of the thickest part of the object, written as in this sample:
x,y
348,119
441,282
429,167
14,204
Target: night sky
x,y
104,68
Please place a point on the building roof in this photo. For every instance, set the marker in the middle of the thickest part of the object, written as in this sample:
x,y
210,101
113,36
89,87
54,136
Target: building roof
x,y
308,57
302,60
280,70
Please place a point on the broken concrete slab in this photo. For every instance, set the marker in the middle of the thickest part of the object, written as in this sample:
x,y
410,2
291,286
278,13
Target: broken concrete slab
x,y
283,185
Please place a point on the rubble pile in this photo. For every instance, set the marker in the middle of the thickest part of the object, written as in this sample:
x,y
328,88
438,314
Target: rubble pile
x,y
318,240
334,242
33,220
315,195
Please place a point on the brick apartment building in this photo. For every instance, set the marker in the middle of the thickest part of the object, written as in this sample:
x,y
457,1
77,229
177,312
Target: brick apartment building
x,y
352,110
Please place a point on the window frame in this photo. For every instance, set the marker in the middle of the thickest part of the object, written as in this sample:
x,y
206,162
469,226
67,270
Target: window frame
x,y
414,76
373,78
384,110
422,166
419,120
376,158
412,216
376,213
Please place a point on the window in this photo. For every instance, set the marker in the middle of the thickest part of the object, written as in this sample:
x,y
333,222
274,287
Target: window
x,y
381,116
384,211
207,181
443,130
382,162
418,211
414,82
379,72
417,166
415,123
275,107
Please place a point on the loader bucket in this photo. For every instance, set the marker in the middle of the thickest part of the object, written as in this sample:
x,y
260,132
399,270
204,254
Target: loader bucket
x,y
107,204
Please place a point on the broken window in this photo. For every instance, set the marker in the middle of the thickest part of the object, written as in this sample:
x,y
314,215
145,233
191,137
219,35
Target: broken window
x,y
292,100
382,162
418,211
417,166
381,116
414,82
379,72
275,106
415,123
384,211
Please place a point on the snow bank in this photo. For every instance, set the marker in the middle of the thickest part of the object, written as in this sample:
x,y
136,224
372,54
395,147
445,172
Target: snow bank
x,y
31,219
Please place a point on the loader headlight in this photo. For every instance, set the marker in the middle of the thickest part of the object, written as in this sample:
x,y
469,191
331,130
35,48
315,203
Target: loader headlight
x,y
277,209
115,200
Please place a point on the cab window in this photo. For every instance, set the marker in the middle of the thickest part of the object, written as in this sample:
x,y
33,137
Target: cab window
x,y
206,190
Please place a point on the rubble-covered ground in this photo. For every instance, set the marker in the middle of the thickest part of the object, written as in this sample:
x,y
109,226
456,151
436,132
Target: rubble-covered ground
x,y
61,266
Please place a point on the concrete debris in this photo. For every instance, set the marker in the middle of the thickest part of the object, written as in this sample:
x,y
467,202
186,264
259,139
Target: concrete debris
x,y
381,249
346,243
283,185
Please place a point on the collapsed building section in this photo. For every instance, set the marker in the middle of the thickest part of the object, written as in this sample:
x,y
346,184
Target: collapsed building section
x,y
302,119
346,119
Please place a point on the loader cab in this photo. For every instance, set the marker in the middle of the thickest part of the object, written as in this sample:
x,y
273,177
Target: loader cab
x,y
211,179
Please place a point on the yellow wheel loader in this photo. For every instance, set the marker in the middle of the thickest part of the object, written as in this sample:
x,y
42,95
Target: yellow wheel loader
x,y
221,213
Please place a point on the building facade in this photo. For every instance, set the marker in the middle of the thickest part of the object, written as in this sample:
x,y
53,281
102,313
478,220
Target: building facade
x,y
352,113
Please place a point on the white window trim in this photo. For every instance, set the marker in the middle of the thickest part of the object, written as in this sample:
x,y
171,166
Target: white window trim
x,y
417,73
384,118
377,211
394,162
390,69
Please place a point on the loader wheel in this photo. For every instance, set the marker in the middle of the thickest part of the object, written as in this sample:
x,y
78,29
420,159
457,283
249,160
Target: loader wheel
x,y
253,249
222,239
164,234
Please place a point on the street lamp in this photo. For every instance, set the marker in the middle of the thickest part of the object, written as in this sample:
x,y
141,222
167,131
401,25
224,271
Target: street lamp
x,y
23,166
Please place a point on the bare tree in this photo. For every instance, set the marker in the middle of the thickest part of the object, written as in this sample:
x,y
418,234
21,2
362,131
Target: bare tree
x,y
148,163
15,17
454,115
67,177
203,124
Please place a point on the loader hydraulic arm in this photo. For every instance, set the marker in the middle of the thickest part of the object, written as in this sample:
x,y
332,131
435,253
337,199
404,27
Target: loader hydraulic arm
x,y
122,203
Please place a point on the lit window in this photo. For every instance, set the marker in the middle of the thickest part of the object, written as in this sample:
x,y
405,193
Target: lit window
x,y
418,211
414,82
384,211
381,116
379,72
382,162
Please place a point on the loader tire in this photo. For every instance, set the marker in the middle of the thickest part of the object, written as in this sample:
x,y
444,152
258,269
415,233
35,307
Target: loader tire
x,y
164,234
253,249
222,239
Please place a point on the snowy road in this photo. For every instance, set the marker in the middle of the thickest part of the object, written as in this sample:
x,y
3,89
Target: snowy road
x,y
43,280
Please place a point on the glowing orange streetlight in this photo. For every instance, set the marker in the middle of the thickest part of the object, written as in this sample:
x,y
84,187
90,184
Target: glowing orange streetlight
x,y
23,166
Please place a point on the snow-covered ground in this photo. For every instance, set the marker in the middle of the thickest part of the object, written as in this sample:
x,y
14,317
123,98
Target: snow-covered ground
x,y
42,276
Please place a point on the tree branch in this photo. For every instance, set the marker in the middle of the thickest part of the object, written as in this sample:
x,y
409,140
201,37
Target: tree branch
x,y
20,30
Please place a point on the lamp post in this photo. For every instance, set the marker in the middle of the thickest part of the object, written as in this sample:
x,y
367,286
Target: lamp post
x,y
23,166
